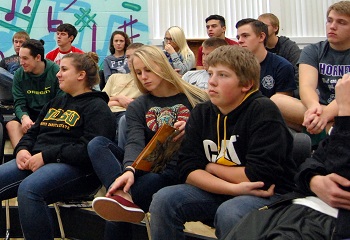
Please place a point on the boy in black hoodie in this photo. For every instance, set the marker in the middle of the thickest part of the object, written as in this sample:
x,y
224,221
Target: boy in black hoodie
x,y
236,155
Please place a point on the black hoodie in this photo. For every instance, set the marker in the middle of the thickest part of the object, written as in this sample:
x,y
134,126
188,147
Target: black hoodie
x,y
65,126
256,137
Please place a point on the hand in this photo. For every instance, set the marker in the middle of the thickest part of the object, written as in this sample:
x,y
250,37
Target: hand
x,y
328,189
169,48
341,95
315,120
35,162
180,126
125,181
21,159
253,188
26,123
124,101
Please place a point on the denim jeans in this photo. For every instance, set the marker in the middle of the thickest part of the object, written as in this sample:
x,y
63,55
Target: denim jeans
x,y
174,205
35,190
106,159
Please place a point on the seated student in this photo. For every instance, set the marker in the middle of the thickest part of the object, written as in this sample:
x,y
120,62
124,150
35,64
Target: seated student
x,y
52,162
229,159
323,180
117,61
167,99
320,66
121,88
65,33
8,66
34,84
177,50
11,63
216,27
280,45
200,78
276,74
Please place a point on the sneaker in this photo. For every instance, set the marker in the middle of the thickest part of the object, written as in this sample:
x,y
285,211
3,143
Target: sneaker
x,y
118,209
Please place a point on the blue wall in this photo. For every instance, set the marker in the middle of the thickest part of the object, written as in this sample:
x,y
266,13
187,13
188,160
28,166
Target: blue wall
x,y
95,20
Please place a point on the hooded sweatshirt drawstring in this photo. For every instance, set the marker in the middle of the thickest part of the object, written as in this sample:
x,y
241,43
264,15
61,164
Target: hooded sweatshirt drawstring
x,y
225,119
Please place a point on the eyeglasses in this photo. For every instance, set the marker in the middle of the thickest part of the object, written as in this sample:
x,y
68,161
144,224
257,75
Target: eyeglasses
x,y
168,39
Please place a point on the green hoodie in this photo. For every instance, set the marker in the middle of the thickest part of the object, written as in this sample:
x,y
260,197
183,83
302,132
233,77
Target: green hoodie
x,y
31,92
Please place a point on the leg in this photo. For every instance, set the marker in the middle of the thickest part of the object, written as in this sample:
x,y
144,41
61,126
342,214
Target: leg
x,y
106,158
118,230
172,206
231,211
146,185
284,222
10,179
122,132
50,183
292,110
14,130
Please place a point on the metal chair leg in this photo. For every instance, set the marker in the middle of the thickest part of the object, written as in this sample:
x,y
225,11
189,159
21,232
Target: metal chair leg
x,y
148,226
60,224
7,211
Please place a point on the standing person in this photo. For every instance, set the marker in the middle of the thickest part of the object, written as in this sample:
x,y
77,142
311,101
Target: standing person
x,y
320,66
177,50
52,162
167,99
65,34
280,45
117,61
229,159
276,74
216,27
322,210
34,84
200,78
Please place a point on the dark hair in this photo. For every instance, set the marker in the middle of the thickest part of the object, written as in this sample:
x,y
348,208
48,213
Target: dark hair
x,y
126,37
257,26
214,42
86,62
35,47
68,28
217,17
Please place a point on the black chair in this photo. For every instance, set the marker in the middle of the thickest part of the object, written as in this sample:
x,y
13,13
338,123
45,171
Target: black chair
x,y
301,147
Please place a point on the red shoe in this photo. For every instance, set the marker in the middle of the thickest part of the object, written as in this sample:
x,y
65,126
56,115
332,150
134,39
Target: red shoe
x,y
118,209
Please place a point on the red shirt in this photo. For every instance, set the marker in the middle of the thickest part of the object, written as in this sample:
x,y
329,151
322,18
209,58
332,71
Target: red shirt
x,y
200,49
56,55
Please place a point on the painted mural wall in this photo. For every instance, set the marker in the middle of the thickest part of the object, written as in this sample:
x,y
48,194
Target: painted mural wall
x,y
95,21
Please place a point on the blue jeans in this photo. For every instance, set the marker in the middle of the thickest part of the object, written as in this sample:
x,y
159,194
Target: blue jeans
x,y
174,205
106,159
35,190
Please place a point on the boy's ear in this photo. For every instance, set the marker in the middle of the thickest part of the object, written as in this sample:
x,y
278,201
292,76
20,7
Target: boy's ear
x,y
262,36
248,86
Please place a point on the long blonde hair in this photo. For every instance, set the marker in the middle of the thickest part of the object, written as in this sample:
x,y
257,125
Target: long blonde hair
x,y
178,37
151,56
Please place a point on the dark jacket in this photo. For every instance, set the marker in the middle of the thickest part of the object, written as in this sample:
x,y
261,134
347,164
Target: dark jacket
x,y
66,125
256,137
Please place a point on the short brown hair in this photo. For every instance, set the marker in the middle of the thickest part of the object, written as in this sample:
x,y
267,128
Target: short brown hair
x,y
240,60
342,7
275,22
21,34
